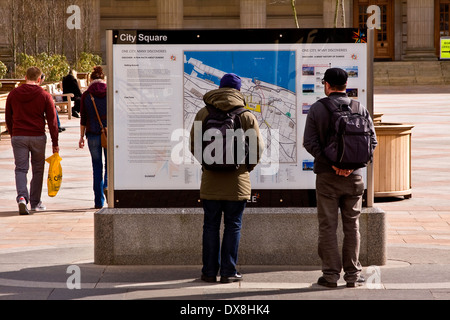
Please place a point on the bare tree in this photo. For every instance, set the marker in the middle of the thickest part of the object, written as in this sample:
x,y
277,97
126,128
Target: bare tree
x,y
339,7
294,10
13,35
295,13
36,26
22,33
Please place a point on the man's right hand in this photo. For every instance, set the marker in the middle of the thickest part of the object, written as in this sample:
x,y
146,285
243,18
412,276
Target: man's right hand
x,y
342,172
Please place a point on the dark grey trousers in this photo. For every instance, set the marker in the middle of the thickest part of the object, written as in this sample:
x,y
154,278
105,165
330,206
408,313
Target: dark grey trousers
x,y
23,148
333,193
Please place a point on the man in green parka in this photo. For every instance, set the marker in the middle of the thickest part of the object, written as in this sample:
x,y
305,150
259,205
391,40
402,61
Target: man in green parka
x,y
225,191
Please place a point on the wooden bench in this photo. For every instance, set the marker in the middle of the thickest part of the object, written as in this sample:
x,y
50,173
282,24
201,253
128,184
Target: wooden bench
x,y
2,124
83,84
63,101
64,106
84,76
3,132
8,86
2,114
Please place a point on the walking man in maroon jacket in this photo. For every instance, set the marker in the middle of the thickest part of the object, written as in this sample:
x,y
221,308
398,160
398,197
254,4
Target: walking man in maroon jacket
x,y
27,109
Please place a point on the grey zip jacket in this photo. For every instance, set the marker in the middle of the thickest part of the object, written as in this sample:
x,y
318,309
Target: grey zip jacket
x,y
317,130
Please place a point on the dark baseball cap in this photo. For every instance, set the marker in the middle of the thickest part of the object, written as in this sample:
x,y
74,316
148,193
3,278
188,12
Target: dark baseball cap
x,y
336,76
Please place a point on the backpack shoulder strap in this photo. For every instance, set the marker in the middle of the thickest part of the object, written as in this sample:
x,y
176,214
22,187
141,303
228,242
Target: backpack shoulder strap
x,y
235,111
355,106
238,110
211,109
328,104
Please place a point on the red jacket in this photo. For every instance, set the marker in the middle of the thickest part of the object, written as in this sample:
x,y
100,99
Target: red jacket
x,y
27,108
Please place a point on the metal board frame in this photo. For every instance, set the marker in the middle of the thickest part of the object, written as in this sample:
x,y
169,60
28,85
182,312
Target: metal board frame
x,y
190,198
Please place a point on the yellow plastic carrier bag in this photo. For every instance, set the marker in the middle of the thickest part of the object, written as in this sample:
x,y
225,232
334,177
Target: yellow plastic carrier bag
x,y
54,174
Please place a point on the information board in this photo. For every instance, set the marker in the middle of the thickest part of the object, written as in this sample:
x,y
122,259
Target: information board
x,y
160,77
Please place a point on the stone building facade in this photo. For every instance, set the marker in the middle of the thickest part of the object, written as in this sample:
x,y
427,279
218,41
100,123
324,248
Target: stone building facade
x,y
410,29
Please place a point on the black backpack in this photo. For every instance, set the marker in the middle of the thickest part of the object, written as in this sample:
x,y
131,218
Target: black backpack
x,y
233,151
349,143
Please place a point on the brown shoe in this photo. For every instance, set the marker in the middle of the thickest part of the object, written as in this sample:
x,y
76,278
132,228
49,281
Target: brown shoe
x,y
358,283
208,279
323,282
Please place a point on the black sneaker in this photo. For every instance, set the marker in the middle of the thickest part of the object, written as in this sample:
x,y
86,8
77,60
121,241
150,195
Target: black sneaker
x,y
323,282
208,279
235,278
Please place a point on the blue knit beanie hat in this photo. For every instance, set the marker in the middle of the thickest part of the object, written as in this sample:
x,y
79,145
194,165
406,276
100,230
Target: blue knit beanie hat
x,y
230,80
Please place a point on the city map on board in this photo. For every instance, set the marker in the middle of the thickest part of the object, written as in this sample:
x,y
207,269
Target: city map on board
x,y
268,85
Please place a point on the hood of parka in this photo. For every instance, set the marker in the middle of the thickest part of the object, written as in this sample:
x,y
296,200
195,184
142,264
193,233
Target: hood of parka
x,y
224,98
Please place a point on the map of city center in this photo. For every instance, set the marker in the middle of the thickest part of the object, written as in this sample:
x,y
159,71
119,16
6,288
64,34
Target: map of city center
x,y
268,85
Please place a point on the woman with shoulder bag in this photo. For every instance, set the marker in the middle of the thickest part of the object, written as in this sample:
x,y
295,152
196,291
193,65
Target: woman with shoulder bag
x,y
92,124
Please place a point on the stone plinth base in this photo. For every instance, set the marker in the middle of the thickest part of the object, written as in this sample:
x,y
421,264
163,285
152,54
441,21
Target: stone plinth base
x,y
270,236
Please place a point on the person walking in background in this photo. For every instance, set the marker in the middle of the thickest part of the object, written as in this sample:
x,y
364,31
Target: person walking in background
x,y
90,127
27,109
336,187
70,85
224,191
60,129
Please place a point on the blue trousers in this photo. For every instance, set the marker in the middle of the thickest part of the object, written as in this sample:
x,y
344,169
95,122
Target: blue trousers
x,y
216,258
99,174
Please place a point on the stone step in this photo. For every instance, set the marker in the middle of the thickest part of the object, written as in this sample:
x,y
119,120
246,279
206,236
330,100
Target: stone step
x,y
412,73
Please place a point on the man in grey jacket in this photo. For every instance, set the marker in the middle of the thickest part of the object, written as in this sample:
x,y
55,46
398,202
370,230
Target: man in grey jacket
x,y
335,188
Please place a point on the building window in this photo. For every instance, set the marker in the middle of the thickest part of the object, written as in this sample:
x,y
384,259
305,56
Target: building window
x,y
441,22
444,9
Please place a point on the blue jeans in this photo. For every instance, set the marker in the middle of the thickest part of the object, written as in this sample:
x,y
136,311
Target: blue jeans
x,y
100,176
213,257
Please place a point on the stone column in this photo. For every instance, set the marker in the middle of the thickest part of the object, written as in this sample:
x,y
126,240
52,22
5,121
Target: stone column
x,y
420,20
95,29
170,14
253,14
